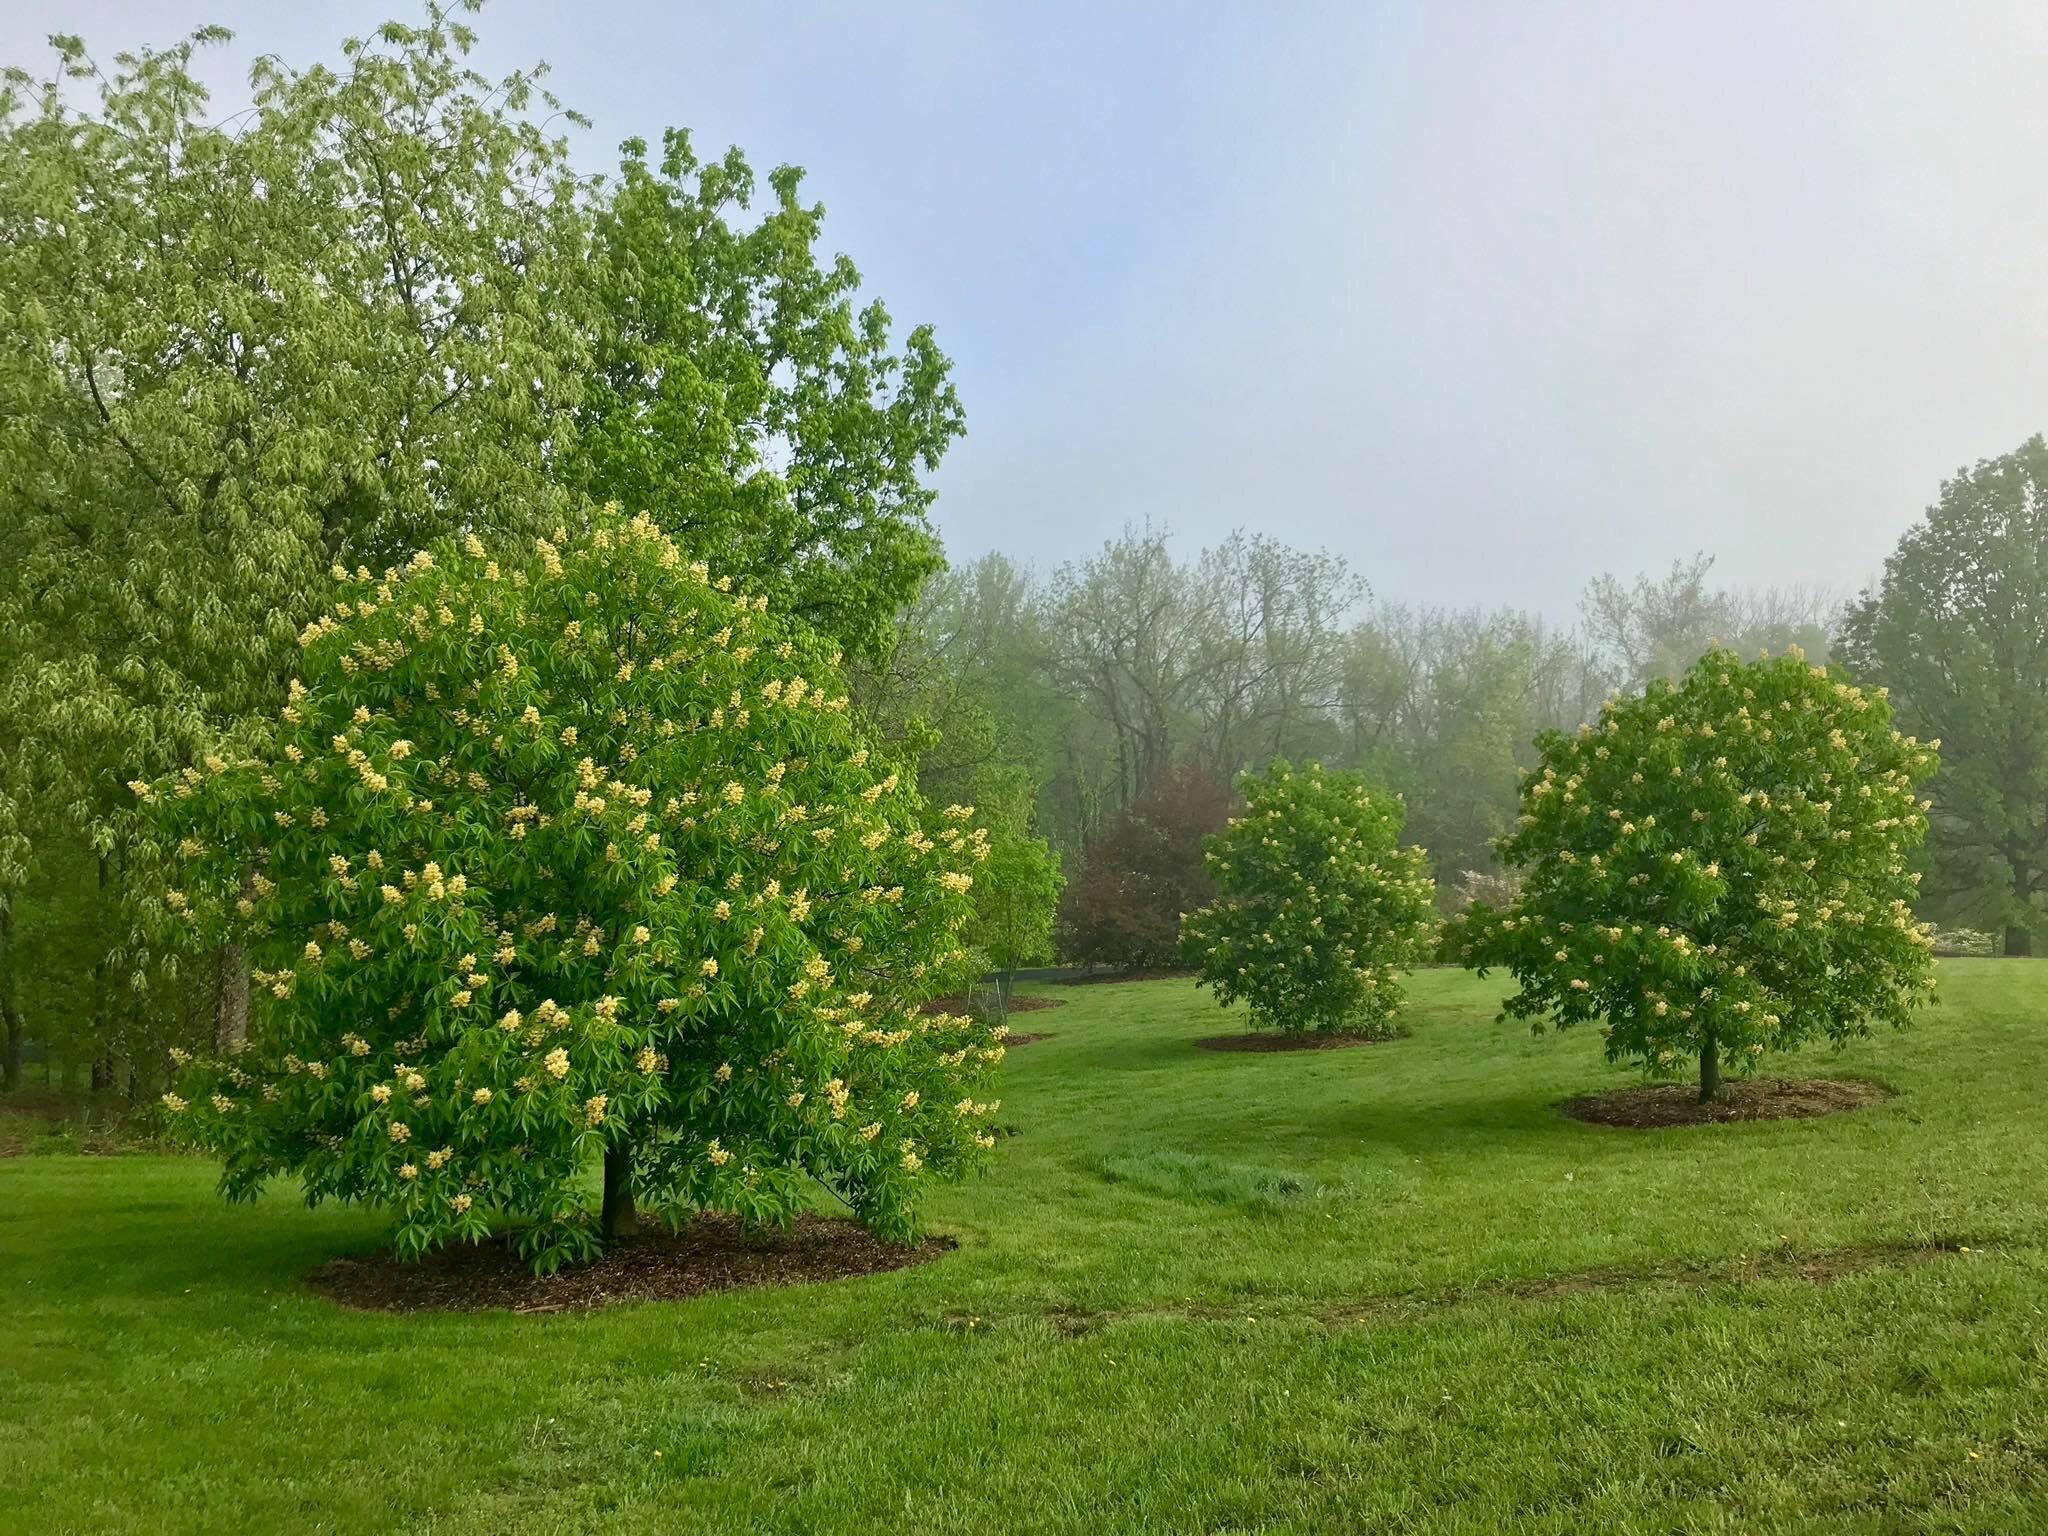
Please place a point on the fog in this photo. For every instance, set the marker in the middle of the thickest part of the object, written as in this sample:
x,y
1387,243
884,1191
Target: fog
x,y
1484,298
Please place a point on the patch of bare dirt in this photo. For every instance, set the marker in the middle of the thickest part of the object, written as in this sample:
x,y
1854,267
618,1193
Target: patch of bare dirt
x,y
1780,1262
1814,1266
713,1253
1767,1098
1295,1040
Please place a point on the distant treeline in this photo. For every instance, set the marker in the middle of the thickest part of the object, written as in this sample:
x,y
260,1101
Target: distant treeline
x,y
1136,685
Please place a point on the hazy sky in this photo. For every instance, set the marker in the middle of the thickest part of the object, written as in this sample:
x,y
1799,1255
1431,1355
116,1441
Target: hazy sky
x,y
1487,298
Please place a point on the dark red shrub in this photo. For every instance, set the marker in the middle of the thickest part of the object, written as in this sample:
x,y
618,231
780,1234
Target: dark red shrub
x,y
1131,883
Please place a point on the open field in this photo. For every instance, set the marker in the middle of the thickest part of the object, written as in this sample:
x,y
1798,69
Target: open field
x,y
1385,1289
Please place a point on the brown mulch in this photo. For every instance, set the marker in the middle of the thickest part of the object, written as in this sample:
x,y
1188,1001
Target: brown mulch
x,y
1017,1039
1017,1004
1294,1040
1764,1098
711,1254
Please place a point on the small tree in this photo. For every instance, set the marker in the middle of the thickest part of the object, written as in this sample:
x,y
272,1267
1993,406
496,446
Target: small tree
x,y
1015,894
1133,881
1718,869
579,855
1319,905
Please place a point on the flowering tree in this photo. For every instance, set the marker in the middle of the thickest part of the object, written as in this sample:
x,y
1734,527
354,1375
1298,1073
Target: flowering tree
x,y
377,308
1318,906
1717,869
578,853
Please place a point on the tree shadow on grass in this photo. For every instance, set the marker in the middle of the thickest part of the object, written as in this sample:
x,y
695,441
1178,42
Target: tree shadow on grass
x,y
171,1235
1490,1118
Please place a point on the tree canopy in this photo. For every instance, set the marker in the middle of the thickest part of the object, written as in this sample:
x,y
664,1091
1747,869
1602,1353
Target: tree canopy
x,y
568,850
1318,907
1957,629
1716,870
375,309
743,395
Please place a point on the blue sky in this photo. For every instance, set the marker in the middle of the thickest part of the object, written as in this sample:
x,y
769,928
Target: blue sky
x,y
1487,298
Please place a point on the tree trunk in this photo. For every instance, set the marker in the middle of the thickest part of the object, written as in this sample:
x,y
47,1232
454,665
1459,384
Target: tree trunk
x,y
10,1016
1710,1070
1004,982
2019,934
10,1046
618,1218
231,1001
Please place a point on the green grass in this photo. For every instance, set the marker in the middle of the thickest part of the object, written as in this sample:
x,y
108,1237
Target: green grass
x,y
1385,1289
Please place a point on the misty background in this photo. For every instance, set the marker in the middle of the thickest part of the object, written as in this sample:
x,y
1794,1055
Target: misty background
x,y
1484,298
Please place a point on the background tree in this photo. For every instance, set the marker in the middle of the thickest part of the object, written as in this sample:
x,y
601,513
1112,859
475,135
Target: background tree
x,y
1125,637
1958,631
1269,668
954,689
1016,894
740,396
1443,706
569,856
377,308
1123,903
1719,869
1658,627
234,352
1318,906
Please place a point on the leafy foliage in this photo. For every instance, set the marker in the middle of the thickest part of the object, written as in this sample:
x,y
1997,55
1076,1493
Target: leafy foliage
x,y
1719,868
1131,884
237,348
332,329
1015,896
374,310
1318,907
1958,631
571,853
739,394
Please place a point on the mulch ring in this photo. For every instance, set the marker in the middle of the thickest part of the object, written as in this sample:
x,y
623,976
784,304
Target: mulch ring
x,y
1764,1098
711,1254
1295,1040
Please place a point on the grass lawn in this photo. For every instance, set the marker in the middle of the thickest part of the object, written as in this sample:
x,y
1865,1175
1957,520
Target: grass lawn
x,y
1383,1289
